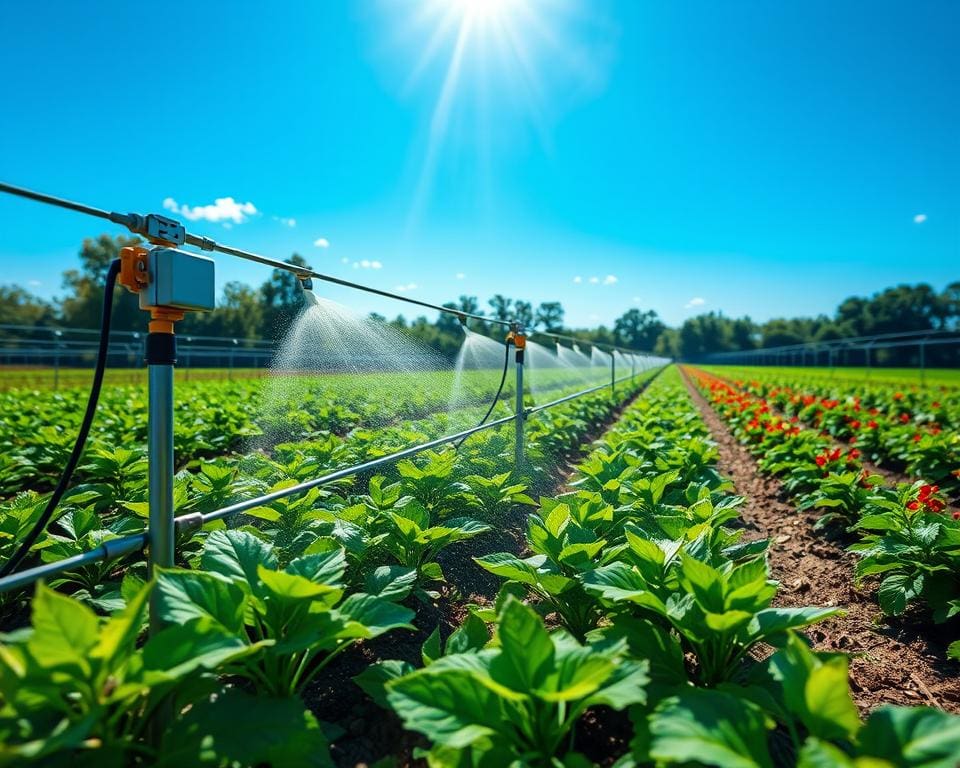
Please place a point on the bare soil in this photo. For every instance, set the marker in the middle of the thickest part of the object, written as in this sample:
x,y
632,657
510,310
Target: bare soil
x,y
892,661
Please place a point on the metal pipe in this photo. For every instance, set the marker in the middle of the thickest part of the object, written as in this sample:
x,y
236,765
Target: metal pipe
x,y
537,408
109,550
341,474
161,469
613,374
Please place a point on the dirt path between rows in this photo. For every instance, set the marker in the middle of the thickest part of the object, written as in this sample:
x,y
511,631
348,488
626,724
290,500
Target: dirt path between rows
x,y
891,663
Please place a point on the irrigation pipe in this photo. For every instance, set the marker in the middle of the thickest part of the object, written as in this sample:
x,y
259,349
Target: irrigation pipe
x,y
161,228
126,545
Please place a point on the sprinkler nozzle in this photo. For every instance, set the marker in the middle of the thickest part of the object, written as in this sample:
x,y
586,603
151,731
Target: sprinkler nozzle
x,y
309,297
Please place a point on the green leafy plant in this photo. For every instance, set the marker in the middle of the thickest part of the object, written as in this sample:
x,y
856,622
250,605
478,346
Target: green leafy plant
x,y
517,703
290,623
719,613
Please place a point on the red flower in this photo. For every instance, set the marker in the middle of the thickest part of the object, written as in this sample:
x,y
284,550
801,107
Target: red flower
x,y
935,505
904,417
956,515
935,404
821,460
853,455
872,424
913,505
916,437
898,395
855,424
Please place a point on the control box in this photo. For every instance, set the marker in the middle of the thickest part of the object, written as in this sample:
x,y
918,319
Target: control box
x,y
178,280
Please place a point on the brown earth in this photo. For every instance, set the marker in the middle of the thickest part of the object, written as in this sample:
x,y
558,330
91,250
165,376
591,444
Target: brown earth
x,y
892,661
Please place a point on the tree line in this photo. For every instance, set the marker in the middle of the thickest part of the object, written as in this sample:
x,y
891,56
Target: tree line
x,y
264,312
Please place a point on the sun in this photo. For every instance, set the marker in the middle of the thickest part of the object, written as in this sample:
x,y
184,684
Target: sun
x,y
494,66
481,10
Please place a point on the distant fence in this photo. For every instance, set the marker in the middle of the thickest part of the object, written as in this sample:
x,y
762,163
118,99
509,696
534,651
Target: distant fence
x,y
56,356
911,349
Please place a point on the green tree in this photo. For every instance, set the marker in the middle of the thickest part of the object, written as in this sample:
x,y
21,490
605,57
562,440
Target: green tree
x,y
523,313
550,316
501,307
20,307
638,330
83,305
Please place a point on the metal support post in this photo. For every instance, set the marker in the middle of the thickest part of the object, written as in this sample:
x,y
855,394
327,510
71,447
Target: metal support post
x,y
161,356
613,375
519,456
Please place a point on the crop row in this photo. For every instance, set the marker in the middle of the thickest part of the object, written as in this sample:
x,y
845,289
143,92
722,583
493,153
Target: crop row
x,y
271,601
112,500
910,429
906,535
637,594
37,429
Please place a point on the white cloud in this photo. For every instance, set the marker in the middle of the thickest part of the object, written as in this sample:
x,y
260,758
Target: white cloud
x,y
367,264
321,242
696,301
287,222
578,279
920,218
460,276
34,283
594,280
223,210
636,300
610,280
404,288
344,260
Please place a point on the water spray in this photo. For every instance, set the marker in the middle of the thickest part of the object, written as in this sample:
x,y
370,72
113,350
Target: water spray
x,y
510,339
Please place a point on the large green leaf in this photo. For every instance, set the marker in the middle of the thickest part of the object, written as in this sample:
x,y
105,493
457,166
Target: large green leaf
x,y
64,630
236,555
526,650
237,728
912,737
704,727
618,582
183,595
180,649
449,707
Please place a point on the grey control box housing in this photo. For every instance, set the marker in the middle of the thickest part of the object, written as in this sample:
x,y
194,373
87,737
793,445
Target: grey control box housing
x,y
179,280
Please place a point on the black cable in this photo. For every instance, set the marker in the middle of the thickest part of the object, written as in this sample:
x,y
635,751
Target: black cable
x,y
78,446
496,397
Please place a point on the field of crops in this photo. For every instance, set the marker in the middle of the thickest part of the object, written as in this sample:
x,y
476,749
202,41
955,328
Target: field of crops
x,y
627,597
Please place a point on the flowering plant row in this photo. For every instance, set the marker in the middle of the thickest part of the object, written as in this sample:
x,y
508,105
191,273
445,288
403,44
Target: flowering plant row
x,y
906,535
910,429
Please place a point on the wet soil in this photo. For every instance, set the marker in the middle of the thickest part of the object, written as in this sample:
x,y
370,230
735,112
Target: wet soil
x,y
892,661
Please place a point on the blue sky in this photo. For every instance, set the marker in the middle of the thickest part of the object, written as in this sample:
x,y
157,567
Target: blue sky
x,y
750,157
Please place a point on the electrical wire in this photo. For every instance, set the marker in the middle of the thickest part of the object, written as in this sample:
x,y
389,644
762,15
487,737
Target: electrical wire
x,y
496,397
40,525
